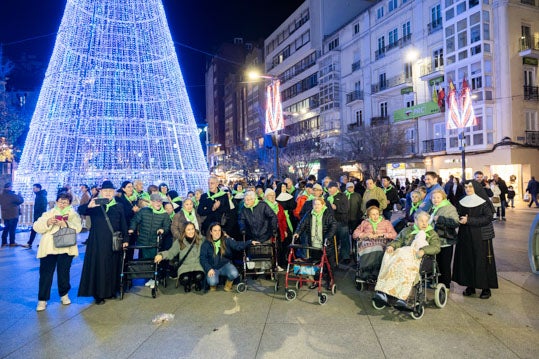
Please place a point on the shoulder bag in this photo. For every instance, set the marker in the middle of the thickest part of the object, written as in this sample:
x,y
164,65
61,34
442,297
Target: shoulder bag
x,y
117,237
65,237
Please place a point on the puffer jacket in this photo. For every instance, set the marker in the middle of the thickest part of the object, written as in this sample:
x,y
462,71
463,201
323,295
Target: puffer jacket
x,y
147,223
259,222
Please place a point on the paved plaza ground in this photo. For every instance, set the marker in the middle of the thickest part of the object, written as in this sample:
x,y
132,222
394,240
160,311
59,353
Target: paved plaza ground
x,y
262,324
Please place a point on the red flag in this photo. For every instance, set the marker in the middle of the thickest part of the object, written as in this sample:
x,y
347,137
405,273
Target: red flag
x,y
467,114
453,116
441,99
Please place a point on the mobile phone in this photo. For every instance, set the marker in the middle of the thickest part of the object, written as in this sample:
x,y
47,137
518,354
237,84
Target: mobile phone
x,y
59,218
101,201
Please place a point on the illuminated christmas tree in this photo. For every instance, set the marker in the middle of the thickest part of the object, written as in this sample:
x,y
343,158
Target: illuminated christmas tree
x,y
113,104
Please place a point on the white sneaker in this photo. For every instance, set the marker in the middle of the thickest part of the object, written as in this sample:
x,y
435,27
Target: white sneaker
x,y
65,300
150,283
280,269
41,306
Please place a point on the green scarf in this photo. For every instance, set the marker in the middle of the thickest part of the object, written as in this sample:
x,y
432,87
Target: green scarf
x,y
254,204
273,206
290,190
63,211
375,224
131,198
331,198
348,194
234,192
144,195
444,203
195,202
415,207
190,216
416,230
217,195
318,216
158,211
172,216
388,188
217,246
177,199
110,204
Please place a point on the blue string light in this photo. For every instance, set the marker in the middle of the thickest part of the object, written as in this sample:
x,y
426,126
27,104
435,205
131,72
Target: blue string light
x,y
113,104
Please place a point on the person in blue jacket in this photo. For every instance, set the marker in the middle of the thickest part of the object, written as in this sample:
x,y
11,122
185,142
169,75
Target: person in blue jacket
x,y
216,254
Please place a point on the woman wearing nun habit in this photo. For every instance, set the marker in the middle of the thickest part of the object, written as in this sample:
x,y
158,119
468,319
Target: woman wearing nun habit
x,y
474,265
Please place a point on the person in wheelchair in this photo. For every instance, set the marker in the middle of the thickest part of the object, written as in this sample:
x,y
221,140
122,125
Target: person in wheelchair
x,y
187,246
400,266
373,234
320,227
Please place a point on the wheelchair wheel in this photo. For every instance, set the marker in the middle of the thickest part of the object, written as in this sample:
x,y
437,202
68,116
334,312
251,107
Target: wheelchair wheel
x,y
241,287
322,298
333,289
440,295
377,305
418,311
290,295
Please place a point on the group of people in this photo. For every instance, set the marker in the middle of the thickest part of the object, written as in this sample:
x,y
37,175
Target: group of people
x,y
205,230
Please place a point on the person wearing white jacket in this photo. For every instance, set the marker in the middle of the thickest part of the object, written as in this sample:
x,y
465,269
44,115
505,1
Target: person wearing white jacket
x,y
51,258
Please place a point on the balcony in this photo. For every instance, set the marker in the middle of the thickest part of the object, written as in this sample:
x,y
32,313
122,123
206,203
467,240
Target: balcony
x,y
354,96
380,53
354,127
390,83
431,70
532,138
529,47
356,65
434,26
531,93
409,148
380,120
405,40
435,145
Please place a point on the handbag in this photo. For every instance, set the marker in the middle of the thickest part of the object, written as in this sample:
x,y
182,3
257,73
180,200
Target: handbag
x,y
526,197
496,199
65,237
117,237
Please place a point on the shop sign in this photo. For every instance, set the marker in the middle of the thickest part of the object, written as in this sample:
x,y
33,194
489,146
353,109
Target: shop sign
x,y
406,90
530,61
424,109
436,81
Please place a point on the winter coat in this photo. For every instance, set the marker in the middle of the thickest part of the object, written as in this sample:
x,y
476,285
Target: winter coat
x,y
354,214
258,222
329,226
446,225
191,262
204,209
405,238
427,203
46,244
10,202
383,229
210,260
179,221
376,193
40,204
147,223
341,212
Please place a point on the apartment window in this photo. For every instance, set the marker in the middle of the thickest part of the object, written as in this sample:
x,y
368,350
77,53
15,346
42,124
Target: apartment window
x,y
436,14
475,34
382,81
406,29
450,44
357,86
449,14
462,39
529,77
461,7
438,58
477,82
380,12
408,70
302,40
383,109
532,123
381,44
393,37
333,44
359,118
356,28
392,5
439,130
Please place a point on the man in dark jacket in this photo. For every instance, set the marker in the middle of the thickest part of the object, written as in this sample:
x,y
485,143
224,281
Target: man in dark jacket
x,y
532,190
40,207
392,196
257,220
10,203
354,200
214,205
340,206
503,196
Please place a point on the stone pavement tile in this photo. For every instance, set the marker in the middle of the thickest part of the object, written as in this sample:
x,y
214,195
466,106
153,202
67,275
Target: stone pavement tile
x,y
332,340
526,280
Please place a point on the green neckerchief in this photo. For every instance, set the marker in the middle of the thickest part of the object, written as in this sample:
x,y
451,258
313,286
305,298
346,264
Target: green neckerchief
x,y
273,206
290,190
310,197
254,204
415,207
195,202
444,203
331,198
63,211
144,195
288,222
318,216
131,198
217,195
176,200
217,246
190,216
348,194
158,211
234,192
388,188
375,224
111,203
171,216
416,230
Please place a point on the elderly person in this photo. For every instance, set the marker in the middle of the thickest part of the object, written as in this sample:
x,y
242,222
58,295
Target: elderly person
x,y
257,220
445,220
216,254
100,277
187,247
373,192
340,206
214,205
284,226
373,234
474,265
50,257
402,260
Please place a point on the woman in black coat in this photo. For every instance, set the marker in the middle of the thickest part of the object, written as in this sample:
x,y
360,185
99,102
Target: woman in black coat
x,y
474,265
101,270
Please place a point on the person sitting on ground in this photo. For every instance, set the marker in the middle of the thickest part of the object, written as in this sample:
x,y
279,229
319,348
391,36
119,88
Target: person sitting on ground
x,y
401,262
187,247
216,253
373,234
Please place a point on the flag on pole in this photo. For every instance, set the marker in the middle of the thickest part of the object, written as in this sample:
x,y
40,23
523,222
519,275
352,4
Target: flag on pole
x,y
453,116
467,113
441,99
434,95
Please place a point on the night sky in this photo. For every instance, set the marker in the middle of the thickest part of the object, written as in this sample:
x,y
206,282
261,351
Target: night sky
x,y
198,27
